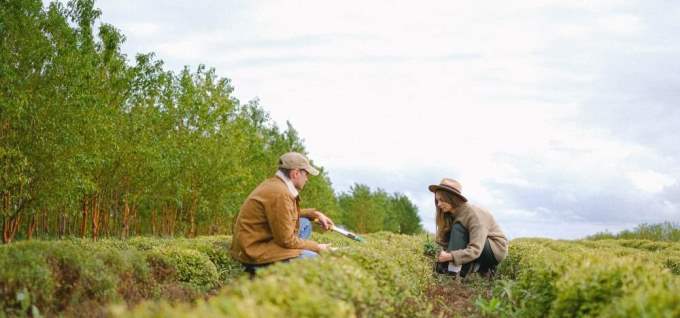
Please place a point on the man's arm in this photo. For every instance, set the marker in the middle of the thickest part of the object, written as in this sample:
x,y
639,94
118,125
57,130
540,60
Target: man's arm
x,y
319,217
282,219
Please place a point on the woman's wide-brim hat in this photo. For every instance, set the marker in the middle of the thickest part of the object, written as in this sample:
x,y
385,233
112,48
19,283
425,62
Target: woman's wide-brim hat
x,y
449,185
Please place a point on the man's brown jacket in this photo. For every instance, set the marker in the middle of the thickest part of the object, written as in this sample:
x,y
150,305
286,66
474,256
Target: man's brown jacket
x,y
266,228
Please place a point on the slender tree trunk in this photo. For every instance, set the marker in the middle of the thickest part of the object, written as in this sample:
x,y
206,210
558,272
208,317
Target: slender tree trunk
x,y
172,214
31,227
153,222
107,222
165,229
83,223
137,221
115,212
126,218
167,220
10,226
60,224
109,213
192,214
95,217
131,221
11,219
164,218
67,220
43,223
5,216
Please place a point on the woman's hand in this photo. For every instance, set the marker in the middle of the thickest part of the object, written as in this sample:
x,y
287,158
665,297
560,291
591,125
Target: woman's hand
x,y
444,257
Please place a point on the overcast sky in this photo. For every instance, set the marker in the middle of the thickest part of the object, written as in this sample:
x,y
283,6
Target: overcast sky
x,y
561,117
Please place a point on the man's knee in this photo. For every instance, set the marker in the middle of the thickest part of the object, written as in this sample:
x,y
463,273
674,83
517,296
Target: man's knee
x,y
305,222
307,254
305,230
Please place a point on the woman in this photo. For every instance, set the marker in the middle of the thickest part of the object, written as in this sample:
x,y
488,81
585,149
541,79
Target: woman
x,y
471,238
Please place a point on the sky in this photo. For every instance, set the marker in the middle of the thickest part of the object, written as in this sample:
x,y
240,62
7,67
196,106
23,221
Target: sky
x,y
560,117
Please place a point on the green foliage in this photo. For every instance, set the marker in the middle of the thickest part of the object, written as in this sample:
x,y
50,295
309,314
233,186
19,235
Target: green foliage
x,y
191,266
366,211
405,213
56,275
269,297
81,275
160,152
386,276
24,270
617,278
430,248
666,231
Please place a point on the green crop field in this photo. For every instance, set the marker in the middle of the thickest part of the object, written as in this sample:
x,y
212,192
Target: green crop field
x,y
385,276
605,278
389,275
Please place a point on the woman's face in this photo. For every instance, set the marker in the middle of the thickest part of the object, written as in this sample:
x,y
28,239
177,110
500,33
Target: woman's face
x,y
442,204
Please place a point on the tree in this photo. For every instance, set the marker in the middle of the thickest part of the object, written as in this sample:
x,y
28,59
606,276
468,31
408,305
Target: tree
x,y
363,210
90,145
407,214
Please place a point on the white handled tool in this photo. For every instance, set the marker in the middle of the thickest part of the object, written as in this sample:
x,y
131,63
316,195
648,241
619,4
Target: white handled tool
x,y
347,233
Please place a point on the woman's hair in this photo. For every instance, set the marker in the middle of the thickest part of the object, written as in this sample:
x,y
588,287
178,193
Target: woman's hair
x,y
443,224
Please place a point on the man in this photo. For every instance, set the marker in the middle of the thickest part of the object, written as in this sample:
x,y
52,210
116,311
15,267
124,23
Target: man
x,y
270,226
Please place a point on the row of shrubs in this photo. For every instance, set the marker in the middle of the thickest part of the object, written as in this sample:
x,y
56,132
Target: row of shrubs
x,y
666,231
80,277
604,278
385,276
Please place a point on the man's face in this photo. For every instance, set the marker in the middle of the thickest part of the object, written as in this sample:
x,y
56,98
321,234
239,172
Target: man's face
x,y
299,178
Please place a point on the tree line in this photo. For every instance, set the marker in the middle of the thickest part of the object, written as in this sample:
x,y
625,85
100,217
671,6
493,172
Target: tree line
x,y
92,145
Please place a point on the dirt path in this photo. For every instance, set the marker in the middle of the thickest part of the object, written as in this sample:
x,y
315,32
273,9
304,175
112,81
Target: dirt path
x,y
455,298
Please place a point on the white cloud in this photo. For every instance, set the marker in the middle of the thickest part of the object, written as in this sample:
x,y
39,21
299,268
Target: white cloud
x,y
622,24
651,181
141,29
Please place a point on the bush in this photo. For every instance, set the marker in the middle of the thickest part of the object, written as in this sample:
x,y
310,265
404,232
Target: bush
x,y
78,277
266,297
26,280
614,278
385,276
666,231
191,266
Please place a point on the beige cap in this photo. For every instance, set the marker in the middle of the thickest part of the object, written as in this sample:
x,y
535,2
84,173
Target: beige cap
x,y
451,186
294,160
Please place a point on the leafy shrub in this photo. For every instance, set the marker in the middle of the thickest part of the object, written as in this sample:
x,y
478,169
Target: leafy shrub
x,y
77,277
340,278
191,266
266,297
385,276
666,231
430,248
217,250
658,298
613,278
25,278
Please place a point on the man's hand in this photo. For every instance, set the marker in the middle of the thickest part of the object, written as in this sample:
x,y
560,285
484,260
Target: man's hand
x,y
325,248
326,222
444,257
